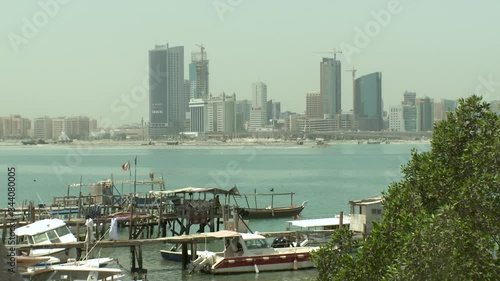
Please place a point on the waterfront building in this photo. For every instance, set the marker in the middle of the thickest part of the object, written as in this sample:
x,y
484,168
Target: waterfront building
x,y
276,110
409,98
368,102
42,128
317,125
79,127
15,127
403,118
221,114
442,108
258,114
425,114
198,75
198,109
346,122
166,91
243,109
314,107
330,82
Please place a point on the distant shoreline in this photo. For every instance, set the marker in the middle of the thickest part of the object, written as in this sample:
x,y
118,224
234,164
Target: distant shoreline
x,y
214,143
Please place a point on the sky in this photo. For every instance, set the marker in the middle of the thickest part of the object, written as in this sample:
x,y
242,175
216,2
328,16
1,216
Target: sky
x,y
69,57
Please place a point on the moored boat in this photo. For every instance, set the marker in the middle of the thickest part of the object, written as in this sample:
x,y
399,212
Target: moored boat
x,y
47,231
271,211
250,253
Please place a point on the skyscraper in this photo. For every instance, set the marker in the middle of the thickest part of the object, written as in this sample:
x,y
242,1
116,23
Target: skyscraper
x,y
368,102
166,90
425,114
314,109
330,82
258,114
198,75
409,98
221,114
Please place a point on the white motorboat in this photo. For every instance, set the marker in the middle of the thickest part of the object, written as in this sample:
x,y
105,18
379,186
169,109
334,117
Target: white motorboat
x,y
47,231
250,253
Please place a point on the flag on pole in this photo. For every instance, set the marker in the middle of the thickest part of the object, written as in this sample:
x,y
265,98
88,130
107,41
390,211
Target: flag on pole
x,y
126,166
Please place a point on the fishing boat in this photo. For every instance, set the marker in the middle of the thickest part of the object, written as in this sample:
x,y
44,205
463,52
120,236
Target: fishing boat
x,y
47,231
270,211
245,252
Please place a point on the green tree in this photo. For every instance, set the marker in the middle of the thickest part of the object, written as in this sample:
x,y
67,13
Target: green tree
x,y
442,220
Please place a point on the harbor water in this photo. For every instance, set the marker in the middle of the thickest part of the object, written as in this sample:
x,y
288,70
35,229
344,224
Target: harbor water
x,y
328,177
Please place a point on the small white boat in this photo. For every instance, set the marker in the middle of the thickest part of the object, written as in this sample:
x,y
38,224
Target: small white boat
x,y
76,273
250,253
47,231
90,269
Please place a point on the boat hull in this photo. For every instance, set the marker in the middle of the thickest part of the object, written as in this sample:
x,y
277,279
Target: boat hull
x,y
173,255
267,213
277,262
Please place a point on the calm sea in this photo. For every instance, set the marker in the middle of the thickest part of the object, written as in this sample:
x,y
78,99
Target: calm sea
x,y
327,177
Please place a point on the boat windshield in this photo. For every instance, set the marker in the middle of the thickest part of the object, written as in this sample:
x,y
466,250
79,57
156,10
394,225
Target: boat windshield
x,y
63,230
40,238
256,244
53,237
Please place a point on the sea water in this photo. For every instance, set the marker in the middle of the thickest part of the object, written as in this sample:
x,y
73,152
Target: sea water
x,y
327,177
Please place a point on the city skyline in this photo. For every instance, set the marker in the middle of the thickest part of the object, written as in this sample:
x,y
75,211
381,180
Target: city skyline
x,y
70,66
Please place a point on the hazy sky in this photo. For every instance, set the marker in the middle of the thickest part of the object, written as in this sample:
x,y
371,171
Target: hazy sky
x,y
68,58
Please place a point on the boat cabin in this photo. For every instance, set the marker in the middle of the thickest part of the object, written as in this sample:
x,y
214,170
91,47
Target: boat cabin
x,y
313,228
47,231
364,212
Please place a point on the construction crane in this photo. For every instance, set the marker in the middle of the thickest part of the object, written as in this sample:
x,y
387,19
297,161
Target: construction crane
x,y
353,70
202,51
334,52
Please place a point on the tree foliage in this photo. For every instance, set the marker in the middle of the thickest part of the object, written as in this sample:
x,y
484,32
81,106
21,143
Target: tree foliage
x,y
442,220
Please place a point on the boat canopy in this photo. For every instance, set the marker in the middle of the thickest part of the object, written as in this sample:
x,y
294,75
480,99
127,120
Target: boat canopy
x,y
252,236
217,234
38,227
214,190
320,222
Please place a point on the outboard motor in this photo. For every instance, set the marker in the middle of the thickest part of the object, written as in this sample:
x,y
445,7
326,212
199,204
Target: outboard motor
x,y
281,242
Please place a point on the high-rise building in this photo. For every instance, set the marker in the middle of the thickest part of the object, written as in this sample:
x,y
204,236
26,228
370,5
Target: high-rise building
x,y
330,82
403,118
368,102
166,90
442,108
276,110
269,111
15,127
198,75
244,107
258,114
409,98
42,128
314,109
198,109
425,114
221,114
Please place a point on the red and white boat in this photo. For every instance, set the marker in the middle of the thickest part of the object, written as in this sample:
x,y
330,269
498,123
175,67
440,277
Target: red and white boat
x,y
244,252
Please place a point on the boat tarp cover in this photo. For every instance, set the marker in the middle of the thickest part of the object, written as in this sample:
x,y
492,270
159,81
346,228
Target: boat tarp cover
x,y
214,190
